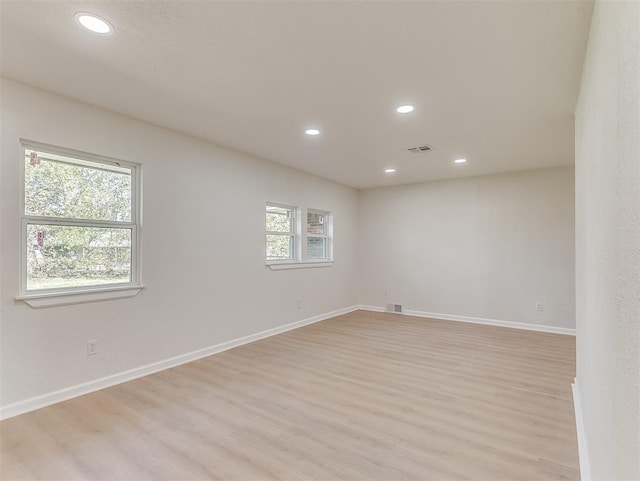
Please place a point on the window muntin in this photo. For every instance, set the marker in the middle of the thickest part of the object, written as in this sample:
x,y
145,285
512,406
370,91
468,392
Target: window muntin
x,y
317,239
80,221
280,232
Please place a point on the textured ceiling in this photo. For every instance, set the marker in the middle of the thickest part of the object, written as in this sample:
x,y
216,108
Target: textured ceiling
x,y
495,82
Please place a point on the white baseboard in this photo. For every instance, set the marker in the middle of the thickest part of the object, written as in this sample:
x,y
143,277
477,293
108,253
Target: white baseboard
x,y
37,402
480,320
583,452
371,308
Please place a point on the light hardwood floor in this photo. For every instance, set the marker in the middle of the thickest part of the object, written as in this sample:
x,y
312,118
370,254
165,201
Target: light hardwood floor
x,y
366,396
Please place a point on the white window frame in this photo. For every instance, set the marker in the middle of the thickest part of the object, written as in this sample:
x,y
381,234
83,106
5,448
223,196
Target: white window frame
x,y
327,236
72,295
299,258
293,234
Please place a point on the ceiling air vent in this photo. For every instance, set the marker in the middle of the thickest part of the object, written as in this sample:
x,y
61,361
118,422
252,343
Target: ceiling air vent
x,y
422,148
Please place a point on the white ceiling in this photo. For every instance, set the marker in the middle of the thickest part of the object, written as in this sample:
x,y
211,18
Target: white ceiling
x,y
493,81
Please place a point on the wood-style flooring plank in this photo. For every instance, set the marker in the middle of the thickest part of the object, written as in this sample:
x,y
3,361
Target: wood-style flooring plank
x,y
363,396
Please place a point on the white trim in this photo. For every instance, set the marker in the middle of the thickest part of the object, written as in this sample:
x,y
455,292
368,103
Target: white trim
x,y
79,296
37,402
99,224
480,320
274,266
371,308
75,154
583,452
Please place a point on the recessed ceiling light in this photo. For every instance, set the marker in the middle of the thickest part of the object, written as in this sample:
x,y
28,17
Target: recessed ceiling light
x,y
460,161
312,131
389,171
405,109
94,23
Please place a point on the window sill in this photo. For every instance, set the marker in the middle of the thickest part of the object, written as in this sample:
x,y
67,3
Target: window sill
x,y
51,299
278,266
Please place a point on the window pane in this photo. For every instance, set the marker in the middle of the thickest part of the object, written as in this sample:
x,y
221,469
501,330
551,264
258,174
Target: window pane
x,y
58,186
279,219
279,247
316,247
315,223
70,256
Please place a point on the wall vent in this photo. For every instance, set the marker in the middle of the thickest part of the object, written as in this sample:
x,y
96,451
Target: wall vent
x,y
419,149
394,307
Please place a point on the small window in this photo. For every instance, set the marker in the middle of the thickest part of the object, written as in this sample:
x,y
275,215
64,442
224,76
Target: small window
x,y
317,238
281,232
79,222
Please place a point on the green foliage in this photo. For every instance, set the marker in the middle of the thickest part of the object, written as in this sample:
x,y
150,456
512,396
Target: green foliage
x,y
278,246
63,255
279,220
58,189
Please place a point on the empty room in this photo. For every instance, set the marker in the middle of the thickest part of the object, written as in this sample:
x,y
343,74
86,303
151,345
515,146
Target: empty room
x,y
320,240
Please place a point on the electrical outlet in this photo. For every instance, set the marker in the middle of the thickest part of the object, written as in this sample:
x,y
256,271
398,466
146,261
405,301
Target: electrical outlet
x,y
299,303
92,347
539,306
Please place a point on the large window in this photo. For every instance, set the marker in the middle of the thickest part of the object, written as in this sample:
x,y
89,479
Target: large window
x,y
80,223
292,238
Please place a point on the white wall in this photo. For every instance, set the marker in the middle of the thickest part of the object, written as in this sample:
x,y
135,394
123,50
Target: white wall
x,y
608,242
203,250
486,247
